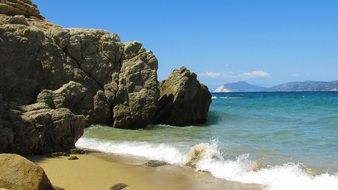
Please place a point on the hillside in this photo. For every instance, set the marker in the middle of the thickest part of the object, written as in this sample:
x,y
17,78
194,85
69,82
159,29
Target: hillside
x,y
285,87
241,86
307,86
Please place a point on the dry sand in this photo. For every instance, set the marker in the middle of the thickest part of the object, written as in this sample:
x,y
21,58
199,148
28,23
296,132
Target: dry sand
x,y
97,171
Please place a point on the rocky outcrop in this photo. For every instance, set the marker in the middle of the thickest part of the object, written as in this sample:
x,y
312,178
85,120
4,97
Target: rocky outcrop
x,y
72,95
19,7
134,92
183,100
119,78
18,173
41,127
55,81
50,129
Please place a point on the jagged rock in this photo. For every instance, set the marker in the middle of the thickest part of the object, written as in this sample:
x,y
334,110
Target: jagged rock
x,y
72,95
18,173
21,76
135,101
102,110
49,130
57,81
40,55
68,96
19,7
183,100
37,128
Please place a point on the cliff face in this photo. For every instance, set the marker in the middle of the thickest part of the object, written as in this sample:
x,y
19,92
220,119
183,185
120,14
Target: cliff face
x,y
55,81
37,55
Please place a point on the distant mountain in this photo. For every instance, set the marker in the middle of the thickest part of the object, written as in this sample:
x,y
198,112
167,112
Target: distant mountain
x,y
286,87
307,86
240,87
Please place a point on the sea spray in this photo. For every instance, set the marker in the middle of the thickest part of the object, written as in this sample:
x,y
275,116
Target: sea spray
x,y
162,152
208,157
203,151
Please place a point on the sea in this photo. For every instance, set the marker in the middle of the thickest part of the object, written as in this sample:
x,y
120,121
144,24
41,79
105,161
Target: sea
x,y
282,140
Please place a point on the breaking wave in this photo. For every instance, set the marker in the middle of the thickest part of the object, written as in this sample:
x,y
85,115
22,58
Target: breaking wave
x,y
208,157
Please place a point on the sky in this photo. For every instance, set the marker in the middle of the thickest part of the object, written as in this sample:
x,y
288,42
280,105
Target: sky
x,y
263,42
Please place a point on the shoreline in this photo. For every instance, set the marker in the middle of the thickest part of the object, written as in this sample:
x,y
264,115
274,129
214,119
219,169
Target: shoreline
x,y
97,170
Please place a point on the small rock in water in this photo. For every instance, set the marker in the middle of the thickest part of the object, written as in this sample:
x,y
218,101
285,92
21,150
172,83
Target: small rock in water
x,y
73,158
57,154
77,151
118,186
155,163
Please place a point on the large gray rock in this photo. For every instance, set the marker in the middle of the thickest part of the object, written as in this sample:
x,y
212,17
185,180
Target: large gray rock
x,y
72,95
45,126
18,173
57,81
38,129
49,130
136,88
37,57
183,100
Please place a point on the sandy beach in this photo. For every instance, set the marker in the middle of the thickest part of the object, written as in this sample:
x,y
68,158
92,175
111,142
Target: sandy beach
x,y
101,171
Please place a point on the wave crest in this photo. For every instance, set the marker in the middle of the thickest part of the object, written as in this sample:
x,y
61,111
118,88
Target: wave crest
x,y
208,157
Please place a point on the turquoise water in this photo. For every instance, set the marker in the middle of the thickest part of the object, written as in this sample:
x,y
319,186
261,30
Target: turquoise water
x,y
295,132
279,127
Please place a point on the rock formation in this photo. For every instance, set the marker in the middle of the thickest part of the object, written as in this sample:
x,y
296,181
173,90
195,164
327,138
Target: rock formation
x,y
38,128
19,7
183,100
18,173
119,78
55,81
136,89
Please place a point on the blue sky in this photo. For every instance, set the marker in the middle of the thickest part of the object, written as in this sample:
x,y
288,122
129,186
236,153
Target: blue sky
x,y
260,41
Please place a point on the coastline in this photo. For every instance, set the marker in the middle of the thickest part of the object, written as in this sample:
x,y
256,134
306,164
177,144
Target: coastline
x,y
100,171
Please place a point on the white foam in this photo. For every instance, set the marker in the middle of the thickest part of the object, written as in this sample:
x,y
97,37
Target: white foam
x,y
161,152
207,157
225,97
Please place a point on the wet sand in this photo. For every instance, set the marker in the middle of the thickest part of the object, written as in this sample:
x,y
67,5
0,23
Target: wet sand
x,y
101,171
